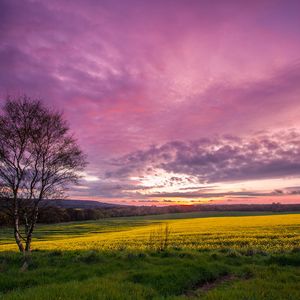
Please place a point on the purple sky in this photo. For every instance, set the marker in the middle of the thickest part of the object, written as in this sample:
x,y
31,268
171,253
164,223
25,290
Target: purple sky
x,y
173,101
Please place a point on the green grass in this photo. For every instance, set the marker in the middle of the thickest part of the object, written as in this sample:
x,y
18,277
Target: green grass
x,y
220,257
150,275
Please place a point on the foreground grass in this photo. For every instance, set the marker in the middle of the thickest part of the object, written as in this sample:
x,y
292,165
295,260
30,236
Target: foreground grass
x,y
220,257
151,275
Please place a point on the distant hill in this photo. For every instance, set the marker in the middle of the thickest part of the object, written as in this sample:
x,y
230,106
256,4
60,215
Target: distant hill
x,y
83,204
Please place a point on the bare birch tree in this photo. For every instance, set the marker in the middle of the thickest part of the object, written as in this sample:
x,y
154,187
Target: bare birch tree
x,y
38,159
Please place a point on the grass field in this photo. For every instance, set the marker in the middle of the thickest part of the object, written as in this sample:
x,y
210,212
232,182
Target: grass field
x,y
207,256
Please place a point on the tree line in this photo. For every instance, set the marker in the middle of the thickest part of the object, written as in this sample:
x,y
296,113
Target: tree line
x,y
55,214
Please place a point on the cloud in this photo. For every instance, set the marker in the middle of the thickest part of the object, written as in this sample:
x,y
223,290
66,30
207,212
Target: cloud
x,y
294,190
227,158
246,194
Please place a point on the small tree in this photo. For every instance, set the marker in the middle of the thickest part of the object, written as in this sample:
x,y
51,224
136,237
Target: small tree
x,y
38,159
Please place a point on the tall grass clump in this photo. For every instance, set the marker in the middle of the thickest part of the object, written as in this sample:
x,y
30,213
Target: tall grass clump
x,y
159,238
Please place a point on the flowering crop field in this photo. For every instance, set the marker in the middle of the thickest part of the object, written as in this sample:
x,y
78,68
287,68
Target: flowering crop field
x,y
272,233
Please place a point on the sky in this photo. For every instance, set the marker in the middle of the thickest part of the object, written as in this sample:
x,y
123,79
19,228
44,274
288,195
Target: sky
x,y
174,101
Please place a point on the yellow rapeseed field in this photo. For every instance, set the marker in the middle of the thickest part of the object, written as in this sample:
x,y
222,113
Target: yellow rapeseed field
x,y
267,233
